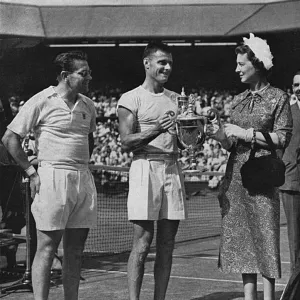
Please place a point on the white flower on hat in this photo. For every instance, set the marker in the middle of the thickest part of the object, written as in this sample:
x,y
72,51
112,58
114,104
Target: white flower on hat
x,y
261,50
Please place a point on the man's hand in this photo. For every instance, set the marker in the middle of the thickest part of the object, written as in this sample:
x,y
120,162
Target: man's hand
x,y
164,123
34,184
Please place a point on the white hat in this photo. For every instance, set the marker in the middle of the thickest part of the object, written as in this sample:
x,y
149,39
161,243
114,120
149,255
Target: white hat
x,y
261,50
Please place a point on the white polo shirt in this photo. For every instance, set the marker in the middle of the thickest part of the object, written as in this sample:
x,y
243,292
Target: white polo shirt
x,y
61,133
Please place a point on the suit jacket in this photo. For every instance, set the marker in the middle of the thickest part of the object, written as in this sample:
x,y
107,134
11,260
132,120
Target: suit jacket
x,y
291,155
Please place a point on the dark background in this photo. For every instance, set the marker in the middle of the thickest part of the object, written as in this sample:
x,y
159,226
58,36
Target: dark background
x,y
26,71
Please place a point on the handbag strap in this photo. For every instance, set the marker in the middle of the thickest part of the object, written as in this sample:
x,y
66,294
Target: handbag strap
x,y
270,144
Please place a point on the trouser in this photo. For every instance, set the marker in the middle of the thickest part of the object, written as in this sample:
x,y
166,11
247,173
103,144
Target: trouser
x,y
291,205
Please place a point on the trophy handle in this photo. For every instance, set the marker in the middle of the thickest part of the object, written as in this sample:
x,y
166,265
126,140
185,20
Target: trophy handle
x,y
213,116
202,136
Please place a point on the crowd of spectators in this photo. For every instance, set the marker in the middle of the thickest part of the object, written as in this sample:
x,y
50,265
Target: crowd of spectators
x,y
209,157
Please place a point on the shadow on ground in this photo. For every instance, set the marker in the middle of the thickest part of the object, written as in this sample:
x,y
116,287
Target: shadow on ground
x,y
109,262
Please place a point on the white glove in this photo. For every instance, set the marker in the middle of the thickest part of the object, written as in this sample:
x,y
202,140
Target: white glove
x,y
238,132
216,132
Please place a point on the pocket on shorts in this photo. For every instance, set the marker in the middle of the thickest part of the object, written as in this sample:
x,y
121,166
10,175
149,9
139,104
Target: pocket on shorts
x,y
90,187
54,185
46,177
139,171
45,196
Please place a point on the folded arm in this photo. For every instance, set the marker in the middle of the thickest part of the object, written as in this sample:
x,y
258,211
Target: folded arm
x,y
127,125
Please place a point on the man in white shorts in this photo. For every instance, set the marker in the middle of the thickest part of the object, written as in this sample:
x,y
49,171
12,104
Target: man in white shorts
x,y
63,189
156,188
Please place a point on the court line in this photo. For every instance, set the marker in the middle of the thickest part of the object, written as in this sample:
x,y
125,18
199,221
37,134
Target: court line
x,y
182,277
204,257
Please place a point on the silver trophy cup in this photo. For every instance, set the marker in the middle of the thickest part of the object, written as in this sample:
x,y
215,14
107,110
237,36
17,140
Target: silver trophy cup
x,y
190,127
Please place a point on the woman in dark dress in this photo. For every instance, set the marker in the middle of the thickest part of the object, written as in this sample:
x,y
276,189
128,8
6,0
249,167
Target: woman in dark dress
x,y
250,221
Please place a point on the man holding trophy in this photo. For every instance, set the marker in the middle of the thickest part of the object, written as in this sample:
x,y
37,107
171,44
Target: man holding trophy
x,y
156,186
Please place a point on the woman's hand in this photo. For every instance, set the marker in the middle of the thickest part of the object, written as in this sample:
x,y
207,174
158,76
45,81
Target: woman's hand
x,y
238,132
235,131
216,132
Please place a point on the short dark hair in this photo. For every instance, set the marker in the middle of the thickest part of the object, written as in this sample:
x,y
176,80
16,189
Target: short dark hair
x,y
245,49
154,46
65,61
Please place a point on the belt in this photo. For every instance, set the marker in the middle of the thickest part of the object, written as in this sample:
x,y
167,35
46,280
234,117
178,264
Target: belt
x,y
157,156
59,165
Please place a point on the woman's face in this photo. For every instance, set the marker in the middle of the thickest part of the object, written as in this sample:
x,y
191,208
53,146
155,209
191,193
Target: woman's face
x,y
245,69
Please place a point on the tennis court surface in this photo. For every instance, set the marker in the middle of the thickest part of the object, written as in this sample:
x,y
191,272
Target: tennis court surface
x,y
194,276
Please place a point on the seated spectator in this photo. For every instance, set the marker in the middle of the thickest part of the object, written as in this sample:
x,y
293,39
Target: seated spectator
x,y
184,157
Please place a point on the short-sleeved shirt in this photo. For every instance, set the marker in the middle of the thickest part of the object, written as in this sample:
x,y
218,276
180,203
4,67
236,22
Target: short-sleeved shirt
x,y
147,107
61,133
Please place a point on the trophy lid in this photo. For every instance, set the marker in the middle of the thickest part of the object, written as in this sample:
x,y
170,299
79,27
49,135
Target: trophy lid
x,y
183,96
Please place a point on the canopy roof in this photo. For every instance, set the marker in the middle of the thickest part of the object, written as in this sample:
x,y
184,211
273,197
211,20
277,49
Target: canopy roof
x,y
129,2
135,19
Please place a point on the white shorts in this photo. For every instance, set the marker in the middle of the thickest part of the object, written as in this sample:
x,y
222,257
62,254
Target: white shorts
x,y
67,199
156,190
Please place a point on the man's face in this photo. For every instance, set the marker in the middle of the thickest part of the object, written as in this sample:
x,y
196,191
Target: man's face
x,y
296,86
79,79
159,66
245,69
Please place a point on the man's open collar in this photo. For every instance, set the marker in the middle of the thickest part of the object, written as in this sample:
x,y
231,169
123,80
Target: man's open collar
x,y
50,91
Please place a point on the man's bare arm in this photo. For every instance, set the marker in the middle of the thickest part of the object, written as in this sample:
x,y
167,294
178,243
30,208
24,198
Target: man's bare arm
x,y
131,140
12,142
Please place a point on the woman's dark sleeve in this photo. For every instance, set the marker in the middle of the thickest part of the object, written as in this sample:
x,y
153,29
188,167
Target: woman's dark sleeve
x,y
283,122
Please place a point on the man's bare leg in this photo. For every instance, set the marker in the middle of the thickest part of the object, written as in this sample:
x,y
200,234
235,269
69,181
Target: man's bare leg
x,y
74,240
165,241
142,238
47,244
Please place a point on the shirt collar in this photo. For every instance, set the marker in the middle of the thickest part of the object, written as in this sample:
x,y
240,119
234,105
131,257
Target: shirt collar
x,y
50,91
248,98
248,92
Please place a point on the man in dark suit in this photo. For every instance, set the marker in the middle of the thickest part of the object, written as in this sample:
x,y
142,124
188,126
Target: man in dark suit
x,y
290,191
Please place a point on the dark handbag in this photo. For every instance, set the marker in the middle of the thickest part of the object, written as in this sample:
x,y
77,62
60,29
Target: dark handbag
x,y
265,171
